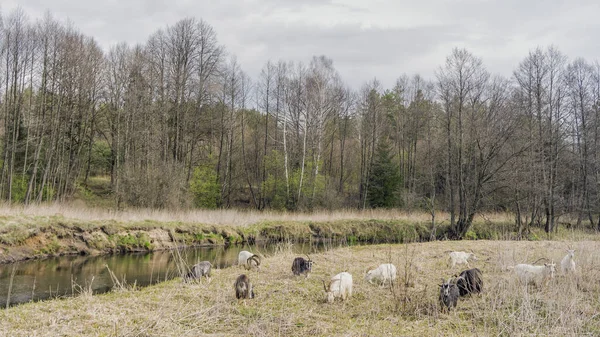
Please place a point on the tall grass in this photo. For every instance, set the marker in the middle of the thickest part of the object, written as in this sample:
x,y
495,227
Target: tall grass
x,y
228,217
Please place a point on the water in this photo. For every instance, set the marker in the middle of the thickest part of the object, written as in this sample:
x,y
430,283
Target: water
x,y
36,280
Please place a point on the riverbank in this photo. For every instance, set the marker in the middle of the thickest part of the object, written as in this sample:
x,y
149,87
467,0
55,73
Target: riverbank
x,y
24,237
288,305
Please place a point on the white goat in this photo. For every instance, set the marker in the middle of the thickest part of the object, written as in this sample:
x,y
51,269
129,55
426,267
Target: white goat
x,y
461,258
339,286
537,274
248,260
384,273
568,263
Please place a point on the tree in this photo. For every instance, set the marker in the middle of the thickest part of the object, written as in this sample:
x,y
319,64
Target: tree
x,y
479,124
384,178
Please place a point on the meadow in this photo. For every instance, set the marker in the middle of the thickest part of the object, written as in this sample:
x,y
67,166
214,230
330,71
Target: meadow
x,y
295,306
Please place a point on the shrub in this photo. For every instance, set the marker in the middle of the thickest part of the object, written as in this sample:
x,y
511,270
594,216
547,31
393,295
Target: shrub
x,y
205,187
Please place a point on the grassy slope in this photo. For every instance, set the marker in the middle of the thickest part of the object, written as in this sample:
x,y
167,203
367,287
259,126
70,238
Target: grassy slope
x,y
58,229
295,306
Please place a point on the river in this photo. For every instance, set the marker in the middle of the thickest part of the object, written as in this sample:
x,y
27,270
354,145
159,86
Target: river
x,y
64,276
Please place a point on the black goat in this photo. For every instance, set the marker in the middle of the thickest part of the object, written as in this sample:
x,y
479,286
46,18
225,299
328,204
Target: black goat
x,y
302,266
448,295
243,287
470,281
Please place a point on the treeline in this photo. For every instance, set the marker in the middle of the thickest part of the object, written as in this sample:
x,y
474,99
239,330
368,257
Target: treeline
x,y
175,122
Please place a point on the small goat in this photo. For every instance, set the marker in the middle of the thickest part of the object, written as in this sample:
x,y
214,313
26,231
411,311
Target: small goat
x,y
202,268
537,274
243,288
567,265
470,281
339,286
461,258
449,294
302,266
249,260
384,273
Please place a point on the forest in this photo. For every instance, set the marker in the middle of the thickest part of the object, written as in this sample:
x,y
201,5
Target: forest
x,y
175,122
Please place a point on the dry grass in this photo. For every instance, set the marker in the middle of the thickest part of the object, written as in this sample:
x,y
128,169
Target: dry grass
x,y
287,305
223,217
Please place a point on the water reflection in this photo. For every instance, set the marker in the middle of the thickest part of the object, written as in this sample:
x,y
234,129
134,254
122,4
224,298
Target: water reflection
x,y
63,276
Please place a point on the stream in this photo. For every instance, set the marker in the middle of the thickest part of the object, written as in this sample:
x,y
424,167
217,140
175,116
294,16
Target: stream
x,y
64,276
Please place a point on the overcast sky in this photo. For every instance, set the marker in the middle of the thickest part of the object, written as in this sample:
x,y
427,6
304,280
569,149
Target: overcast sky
x,y
365,38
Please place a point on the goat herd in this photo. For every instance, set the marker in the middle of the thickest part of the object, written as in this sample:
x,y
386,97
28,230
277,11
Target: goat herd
x,y
469,281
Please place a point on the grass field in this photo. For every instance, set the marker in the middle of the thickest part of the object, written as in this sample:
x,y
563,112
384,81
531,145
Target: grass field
x,y
295,306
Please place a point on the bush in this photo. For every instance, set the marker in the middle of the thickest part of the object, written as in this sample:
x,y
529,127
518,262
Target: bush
x,y
205,187
470,235
19,187
100,158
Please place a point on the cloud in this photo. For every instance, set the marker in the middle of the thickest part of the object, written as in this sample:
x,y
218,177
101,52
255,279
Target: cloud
x,y
365,39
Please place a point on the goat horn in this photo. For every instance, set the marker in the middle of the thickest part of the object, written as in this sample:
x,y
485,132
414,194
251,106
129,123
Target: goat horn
x,y
540,259
324,286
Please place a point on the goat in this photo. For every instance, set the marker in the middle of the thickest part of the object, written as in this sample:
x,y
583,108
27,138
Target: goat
x,y
339,286
202,268
470,281
249,260
568,263
243,288
461,258
384,273
538,274
449,294
302,266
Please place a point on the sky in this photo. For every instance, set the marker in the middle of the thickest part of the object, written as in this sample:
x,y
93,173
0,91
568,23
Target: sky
x,y
366,39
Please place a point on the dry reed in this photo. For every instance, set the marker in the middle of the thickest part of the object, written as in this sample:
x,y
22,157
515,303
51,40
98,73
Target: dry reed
x,y
224,217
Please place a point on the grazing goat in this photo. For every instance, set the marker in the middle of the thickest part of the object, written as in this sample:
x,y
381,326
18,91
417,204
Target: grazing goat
x,y
198,270
537,274
449,294
339,286
243,288
384,273
461,258
302,266
249,260
568,263
470,281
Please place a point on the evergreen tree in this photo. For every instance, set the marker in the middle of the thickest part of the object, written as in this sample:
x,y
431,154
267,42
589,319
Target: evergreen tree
x,y
384,180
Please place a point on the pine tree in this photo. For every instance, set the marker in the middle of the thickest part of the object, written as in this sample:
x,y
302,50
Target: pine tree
x,y
384,180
